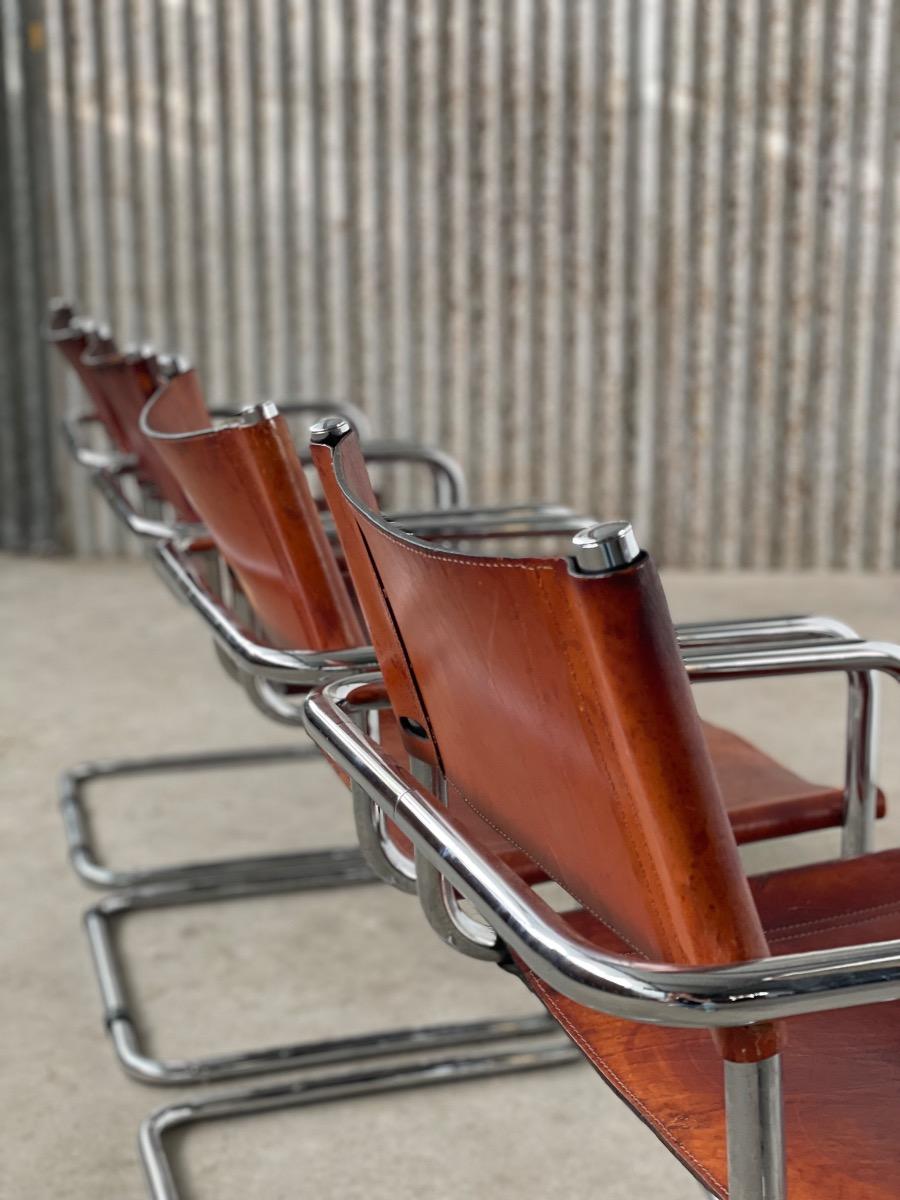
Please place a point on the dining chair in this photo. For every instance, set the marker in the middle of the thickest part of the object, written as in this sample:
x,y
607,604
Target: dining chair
x,y
563,719
134,479
505,655
244,479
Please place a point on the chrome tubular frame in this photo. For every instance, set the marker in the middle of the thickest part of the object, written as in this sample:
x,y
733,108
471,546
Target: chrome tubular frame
x,y
448,480
439,902
659,993
754,1113
139,522
689,997
743,631
341,865
100,921
289,407
158,1168
860,788
87,456
491,524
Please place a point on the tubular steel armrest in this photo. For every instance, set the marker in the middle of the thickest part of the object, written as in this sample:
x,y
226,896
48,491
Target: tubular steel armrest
x,y
663,994
761,629
301,667
108,485
859,660
289,407
502,521
86,456
450,490
746,662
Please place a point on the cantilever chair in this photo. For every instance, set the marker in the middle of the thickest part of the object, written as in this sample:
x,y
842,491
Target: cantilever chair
x,y
244,479
562,724
339,721
145,496
564,720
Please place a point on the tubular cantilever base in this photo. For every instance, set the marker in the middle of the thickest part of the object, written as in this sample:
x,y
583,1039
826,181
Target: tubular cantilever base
x,y
99,925
340,865
160,1178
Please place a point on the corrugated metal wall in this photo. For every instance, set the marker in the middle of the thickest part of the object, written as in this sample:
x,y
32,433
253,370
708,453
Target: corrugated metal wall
x,y
642,255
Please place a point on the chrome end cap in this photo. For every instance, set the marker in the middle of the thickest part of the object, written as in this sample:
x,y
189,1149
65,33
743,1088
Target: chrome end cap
x,y
329,431
605,547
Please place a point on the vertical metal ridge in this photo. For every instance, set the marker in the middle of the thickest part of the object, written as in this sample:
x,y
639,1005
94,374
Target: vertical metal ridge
x,y
369,209
578,280
835,182
642,256
886,384
873,44
673,272
642,215
612,42
706,158
334,192
399,142
729,476
425,222
797,298
517,421
772,89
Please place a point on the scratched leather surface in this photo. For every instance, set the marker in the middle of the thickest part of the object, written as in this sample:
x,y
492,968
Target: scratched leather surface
x,y
559,710
841,1070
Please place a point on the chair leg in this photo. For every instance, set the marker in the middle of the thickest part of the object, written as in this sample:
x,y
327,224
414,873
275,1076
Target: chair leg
x,y
346,865
160,1178
755,1124
99,925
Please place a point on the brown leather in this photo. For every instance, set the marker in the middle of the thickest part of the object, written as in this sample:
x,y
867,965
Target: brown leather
x,y
128,381
841,1070
249,489
391,739
766,800
558,706
72,344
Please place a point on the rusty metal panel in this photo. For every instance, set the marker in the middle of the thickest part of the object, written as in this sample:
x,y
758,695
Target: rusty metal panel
x,y
640,255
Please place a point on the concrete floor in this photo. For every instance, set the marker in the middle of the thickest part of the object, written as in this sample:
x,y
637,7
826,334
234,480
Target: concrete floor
x,y
99,661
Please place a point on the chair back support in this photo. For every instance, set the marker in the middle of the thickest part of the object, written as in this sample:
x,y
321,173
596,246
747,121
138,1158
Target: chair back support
x,y
128,380
248,486
70,336
557,706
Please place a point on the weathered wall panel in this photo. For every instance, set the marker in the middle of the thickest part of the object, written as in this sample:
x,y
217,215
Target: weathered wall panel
x,y
641,255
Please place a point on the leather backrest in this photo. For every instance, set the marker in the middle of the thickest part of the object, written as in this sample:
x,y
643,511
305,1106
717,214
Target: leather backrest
x,y
557,706
71,339
127,381
246,483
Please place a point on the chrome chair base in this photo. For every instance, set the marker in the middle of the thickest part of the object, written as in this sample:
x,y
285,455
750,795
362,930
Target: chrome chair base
x,y
307,1092
100,921
344,865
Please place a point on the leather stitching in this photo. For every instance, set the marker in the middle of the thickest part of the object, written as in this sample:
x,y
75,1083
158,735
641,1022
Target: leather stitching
x,y
852,917
550,874
443,556
549,1000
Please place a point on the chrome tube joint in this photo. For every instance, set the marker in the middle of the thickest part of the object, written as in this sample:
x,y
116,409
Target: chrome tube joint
x,y
693,997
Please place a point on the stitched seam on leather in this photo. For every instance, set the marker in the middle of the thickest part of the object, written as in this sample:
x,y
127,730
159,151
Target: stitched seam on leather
x,y
599,718
824,923
550,874
535,569
404,653
462,559
550,1001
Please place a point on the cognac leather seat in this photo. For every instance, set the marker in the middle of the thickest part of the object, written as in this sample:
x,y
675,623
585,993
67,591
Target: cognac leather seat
x,y
764,799
841,1069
